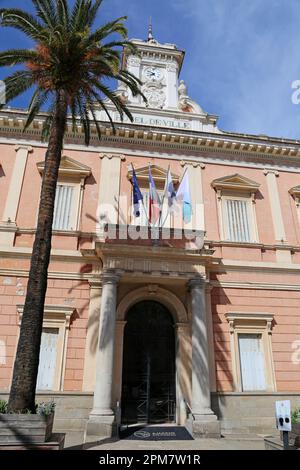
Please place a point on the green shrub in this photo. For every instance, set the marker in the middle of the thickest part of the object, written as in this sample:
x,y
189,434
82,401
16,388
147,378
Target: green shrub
x,y
43,409
296,416
3,407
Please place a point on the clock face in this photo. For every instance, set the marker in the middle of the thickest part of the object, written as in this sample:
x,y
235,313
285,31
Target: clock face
x,y
152,73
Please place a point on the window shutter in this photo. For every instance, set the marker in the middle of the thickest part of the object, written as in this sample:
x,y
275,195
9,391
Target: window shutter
x,y
63,207
238,227
252,362
48,354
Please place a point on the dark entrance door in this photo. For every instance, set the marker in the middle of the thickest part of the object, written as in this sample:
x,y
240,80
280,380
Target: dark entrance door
x,y
148,388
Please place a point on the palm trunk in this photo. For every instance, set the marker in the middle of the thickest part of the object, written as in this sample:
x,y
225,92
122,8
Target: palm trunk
x,y
22,393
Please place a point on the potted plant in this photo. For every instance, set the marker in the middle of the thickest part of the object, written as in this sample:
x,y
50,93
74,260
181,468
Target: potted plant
x,y
295,433
26,428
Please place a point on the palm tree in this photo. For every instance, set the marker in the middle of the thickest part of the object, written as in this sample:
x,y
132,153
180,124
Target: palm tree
x,y
68,68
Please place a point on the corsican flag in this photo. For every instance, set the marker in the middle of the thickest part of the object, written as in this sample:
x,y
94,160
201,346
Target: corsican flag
x,y
170,192
183,196
154,200
137,195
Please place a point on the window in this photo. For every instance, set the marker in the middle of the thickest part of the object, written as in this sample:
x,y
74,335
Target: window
x,y
236,207
48,356
251,351
295,193
69,193
53,349
237,216
65,203
252,360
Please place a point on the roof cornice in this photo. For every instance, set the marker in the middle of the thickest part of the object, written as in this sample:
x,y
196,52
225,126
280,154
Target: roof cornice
x,y
280,150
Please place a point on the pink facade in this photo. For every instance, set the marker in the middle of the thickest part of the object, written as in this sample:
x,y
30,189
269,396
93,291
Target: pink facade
x,y
251,278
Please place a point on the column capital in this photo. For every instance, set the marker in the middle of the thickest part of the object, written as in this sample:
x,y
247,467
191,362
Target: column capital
x,y
95,283
24,147
271,171
196,283
110,278
112,155
184,163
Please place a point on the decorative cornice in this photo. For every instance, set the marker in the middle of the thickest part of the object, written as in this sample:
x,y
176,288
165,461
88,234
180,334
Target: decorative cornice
x,y
295,191
53,312
159,174
68,167
235,182
235,318
248,146
254,286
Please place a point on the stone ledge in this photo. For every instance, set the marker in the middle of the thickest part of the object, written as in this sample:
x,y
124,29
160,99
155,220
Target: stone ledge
x,y
274,443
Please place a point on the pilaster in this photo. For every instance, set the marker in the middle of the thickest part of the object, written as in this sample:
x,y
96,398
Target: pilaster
x,y
8,225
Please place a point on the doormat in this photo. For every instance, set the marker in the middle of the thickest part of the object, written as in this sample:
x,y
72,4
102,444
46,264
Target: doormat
x,y
156,433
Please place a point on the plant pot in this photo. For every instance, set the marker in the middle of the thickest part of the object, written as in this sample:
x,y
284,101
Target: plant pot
x,y
25,429
295,434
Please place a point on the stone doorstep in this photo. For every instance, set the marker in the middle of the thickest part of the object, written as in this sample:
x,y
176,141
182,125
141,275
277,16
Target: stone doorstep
x,y
56,443
245,437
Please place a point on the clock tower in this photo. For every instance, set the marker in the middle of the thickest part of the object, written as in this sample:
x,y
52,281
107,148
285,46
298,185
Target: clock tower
x,y
158,67
168,105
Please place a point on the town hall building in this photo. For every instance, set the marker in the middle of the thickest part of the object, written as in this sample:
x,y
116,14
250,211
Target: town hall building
x,y
196,323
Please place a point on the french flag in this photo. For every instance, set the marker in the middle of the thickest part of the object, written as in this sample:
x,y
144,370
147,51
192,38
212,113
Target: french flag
x,y
154,201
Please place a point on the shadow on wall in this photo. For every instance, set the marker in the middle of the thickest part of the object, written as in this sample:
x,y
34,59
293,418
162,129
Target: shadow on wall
x,y
221,343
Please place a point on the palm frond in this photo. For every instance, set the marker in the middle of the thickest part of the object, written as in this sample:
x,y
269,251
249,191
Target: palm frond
x,y
17,83
16,56
39,98
19,19
115,26
63,13
84,119
93,12
45,10
47,124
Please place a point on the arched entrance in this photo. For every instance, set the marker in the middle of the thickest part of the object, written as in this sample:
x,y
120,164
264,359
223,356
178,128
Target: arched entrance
x,y
148,379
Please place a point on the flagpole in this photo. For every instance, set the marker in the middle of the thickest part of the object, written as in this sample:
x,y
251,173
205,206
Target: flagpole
x,y
143,204
162,203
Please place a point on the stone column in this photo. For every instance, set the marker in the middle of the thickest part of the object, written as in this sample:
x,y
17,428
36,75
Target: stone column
x,y
101,422
183,370
119,335
205,422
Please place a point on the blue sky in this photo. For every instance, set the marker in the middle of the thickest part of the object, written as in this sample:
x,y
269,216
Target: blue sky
x,y
241,57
